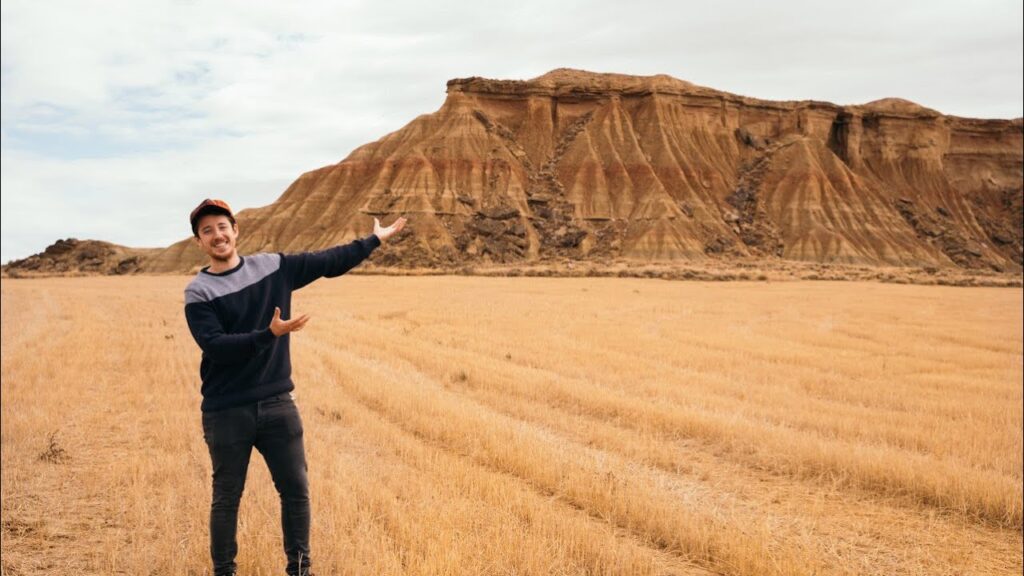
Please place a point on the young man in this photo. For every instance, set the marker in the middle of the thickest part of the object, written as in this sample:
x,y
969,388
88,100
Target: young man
x,y
236,309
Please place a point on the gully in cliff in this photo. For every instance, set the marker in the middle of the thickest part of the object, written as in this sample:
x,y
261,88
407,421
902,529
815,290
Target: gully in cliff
x,y
235,308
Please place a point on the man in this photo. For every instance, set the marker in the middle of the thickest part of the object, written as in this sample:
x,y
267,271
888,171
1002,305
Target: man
x,y
236,309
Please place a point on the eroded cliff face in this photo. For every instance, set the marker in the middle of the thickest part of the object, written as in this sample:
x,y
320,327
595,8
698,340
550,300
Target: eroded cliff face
x,y
605,166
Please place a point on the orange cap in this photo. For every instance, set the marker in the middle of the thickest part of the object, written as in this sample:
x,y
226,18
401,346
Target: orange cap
x,y
207,206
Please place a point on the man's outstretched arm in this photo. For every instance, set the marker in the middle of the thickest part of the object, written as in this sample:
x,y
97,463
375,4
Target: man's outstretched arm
x,y
306,267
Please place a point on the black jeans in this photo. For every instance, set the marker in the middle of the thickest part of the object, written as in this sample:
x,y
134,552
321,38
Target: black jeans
x,y
274,427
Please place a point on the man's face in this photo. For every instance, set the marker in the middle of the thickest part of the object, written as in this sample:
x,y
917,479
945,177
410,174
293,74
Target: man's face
x,y
217,237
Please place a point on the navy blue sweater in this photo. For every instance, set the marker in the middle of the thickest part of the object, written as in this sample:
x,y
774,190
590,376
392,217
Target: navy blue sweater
x,y
229,315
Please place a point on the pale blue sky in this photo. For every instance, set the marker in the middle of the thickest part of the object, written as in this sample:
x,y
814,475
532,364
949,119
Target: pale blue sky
x,y
118,117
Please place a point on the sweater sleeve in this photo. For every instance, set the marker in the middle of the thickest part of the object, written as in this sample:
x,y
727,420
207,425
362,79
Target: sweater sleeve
x,y
216,344
305,267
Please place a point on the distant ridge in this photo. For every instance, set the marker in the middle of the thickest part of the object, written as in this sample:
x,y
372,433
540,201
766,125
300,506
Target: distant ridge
x,y
610,167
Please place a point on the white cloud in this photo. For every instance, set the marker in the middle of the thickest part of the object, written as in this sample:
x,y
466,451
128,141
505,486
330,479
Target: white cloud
x,y
118,116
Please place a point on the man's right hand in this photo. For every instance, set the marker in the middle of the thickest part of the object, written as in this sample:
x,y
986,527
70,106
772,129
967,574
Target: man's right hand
x,y
281,327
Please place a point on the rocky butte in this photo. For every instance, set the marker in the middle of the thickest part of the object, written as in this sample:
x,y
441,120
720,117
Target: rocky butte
x,y
610,167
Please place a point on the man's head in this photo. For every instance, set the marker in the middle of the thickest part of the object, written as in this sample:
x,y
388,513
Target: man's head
x,y
209,206
215,229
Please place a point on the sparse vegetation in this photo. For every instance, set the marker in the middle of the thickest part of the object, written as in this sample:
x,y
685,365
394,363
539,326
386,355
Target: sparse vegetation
x,y
467,425
54,452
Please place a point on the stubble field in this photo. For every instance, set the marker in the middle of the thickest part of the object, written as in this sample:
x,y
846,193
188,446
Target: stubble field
x,y
534,426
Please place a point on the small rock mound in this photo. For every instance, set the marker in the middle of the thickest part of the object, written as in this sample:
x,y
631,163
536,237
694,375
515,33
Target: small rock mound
x,y
899,106
73,256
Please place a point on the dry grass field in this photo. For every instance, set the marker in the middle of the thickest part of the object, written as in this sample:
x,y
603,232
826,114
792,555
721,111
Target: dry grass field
x,y
535,426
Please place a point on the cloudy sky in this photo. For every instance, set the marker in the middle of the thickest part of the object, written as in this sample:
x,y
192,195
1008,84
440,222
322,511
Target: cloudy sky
x,y
119,116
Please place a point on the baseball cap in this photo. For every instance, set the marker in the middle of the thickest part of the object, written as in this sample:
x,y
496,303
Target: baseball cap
x,y
210,206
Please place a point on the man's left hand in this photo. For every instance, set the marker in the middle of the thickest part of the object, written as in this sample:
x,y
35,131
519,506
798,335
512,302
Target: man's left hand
x,y
385,233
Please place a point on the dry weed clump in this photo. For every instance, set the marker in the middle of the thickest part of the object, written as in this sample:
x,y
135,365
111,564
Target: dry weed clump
x,y
54,452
